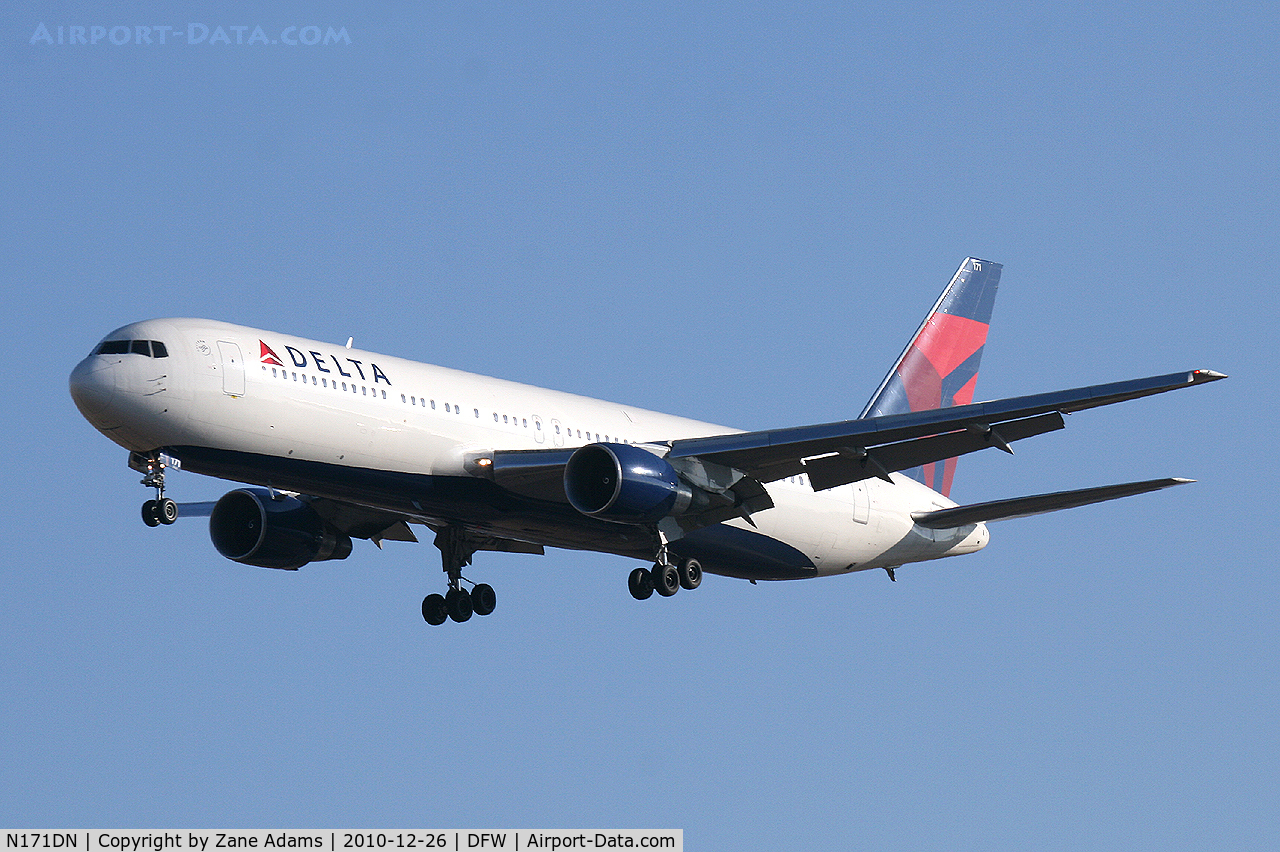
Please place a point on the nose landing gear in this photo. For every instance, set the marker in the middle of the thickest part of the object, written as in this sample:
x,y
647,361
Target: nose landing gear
x,y
161,510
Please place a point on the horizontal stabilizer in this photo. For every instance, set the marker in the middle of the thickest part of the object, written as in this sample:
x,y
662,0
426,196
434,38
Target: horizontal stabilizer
x,y
1021,507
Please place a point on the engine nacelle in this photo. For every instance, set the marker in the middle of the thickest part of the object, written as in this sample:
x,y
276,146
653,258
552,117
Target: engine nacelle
x,y
624,483
253,527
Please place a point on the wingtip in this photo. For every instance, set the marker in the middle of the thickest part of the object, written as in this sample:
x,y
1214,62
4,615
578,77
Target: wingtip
x,y
1201,376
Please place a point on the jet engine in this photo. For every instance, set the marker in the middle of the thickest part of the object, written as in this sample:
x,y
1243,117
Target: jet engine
x,y
624,483
254,527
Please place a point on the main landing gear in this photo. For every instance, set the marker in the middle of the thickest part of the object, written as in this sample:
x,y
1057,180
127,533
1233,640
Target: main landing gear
x,y
456,550
666,577
161,510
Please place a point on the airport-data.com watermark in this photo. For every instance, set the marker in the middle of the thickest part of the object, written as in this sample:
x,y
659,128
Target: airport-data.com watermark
x,y
215,35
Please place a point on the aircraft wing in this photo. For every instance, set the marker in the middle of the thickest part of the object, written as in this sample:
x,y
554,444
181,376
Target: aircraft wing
x,y
839,453
377,526
833,454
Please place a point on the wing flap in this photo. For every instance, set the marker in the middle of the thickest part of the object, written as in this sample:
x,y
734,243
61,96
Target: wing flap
x,y
1021,507
854,464
476,540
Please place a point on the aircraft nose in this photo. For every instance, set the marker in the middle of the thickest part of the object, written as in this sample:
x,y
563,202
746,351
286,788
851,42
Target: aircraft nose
x,y
93,386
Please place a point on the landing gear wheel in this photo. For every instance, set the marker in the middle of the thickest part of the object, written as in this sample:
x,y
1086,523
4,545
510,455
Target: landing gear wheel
x,y
434,610
167,510
640,584
483,600
458,602
151,513
690,574
666,580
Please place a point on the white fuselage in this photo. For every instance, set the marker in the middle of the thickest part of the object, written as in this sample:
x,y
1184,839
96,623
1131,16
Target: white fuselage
x,y
277,410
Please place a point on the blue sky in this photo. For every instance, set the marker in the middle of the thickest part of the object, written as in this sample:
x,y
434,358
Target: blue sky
x,y
737,213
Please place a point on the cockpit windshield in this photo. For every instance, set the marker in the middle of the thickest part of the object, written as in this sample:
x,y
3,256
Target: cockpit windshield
x,y
149,348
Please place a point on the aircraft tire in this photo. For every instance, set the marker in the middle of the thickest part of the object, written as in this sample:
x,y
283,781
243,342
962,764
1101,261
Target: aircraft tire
x,y
640,584
167,511
434,610
151,513
459,605
690,574
666,580
483,600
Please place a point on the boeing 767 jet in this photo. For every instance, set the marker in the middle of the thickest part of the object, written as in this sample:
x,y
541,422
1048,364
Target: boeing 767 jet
x,y
337,444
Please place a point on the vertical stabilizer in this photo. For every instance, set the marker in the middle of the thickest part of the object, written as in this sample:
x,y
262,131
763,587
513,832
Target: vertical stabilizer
x,y
939,367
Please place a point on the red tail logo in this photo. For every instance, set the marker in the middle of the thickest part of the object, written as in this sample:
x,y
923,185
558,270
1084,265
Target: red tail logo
x,y
940,366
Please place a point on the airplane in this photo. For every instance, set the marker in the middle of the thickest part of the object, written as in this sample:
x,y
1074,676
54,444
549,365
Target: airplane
x,y
335,444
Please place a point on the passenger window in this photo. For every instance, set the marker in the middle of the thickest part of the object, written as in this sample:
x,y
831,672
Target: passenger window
x,y
477,414
504,418
274,374
433,405
446,407
158,350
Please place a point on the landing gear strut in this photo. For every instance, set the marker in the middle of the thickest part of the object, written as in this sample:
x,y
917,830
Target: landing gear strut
x,y
666,577
456,549
161,510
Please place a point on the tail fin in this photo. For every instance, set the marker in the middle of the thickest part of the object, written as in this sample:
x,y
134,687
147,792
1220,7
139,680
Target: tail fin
x,y
939,367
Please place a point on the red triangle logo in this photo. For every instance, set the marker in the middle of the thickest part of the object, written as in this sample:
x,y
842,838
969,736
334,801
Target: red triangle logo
x,y
270,357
